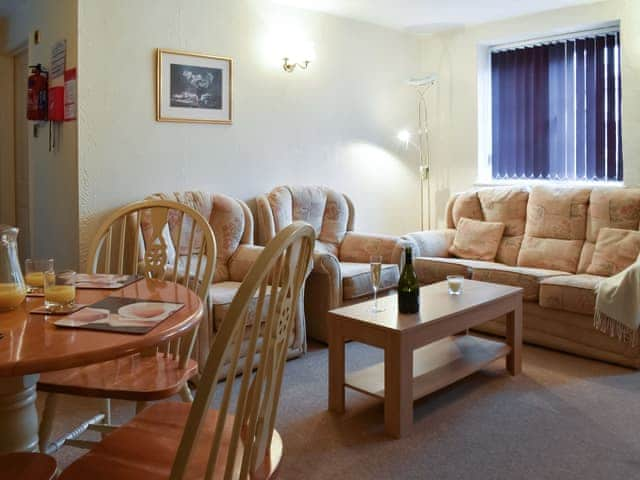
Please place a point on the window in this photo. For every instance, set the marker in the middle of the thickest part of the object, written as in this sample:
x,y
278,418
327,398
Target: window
x,y
556,110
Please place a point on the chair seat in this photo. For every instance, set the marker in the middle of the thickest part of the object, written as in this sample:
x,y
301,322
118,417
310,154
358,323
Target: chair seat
x,y
27,466
135,377
145,448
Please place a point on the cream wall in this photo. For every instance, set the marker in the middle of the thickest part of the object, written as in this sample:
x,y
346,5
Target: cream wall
x,y
333,124
456,56
54,184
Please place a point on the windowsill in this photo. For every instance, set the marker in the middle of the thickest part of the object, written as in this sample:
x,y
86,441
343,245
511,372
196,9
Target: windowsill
x,y
555,183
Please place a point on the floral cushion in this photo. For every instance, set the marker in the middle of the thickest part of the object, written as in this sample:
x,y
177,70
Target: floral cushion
x,y
326,210
613,207
199,201
615,250
477,240
559,213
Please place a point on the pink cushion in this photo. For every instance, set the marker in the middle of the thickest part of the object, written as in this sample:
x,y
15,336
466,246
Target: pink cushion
x,y
477,240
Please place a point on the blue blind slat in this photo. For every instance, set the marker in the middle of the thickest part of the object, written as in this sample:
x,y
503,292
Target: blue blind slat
x,y
556,110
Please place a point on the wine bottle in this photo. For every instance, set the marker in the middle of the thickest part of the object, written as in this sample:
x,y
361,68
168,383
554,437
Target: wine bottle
x,y
408,287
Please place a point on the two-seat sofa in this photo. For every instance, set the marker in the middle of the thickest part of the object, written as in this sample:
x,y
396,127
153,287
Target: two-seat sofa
x,y
547,246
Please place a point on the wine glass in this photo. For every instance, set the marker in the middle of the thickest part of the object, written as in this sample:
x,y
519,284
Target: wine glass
x,y
375,261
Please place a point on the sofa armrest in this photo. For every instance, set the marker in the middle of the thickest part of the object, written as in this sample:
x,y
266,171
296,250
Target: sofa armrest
x,y
430,243
242,260
328,265
358,247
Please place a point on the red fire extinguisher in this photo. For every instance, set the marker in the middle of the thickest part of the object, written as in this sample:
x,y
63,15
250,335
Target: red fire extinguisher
x,y
37,93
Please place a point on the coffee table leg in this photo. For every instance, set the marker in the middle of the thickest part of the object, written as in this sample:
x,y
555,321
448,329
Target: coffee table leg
x,y
398,387
514,339
336,367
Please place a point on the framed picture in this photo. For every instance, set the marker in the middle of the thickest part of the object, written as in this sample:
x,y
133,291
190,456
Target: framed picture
x,y
193,87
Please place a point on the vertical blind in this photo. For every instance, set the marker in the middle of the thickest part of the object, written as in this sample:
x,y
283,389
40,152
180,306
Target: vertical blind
x,y
556,110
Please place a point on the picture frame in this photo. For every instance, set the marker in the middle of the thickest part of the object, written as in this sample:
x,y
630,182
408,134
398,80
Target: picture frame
x,y
193,87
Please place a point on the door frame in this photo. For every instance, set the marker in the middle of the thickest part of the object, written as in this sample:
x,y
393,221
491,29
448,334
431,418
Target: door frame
x,y
7,156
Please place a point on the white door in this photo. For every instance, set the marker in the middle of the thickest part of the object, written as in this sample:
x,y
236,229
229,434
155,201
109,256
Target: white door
x,y
21,152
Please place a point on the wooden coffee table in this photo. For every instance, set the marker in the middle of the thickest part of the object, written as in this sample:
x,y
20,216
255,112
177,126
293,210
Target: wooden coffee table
x,y
422,352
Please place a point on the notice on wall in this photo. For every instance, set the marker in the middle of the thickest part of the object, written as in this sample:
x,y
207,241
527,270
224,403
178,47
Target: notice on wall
x,y
70,94
58,59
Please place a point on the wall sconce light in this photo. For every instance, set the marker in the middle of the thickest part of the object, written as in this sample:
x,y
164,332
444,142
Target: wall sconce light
x,y
290,67
298,55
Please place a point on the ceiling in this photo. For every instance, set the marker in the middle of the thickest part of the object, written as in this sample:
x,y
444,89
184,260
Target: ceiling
x,y
429,16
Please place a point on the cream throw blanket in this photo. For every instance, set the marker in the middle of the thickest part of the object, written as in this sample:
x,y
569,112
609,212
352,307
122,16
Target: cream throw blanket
x,y
618,305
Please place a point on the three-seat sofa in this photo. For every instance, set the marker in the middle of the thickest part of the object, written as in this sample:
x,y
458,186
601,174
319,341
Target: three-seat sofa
x,y
547,247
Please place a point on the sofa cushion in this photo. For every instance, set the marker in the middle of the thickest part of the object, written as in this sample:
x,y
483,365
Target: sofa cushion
x,y
509,250
527,278
613,207
585,256
477,240
199,201
550,253
560,213
466,205
356,279
508,206
615,250
326,210
220,298
435,269
571,293
505,205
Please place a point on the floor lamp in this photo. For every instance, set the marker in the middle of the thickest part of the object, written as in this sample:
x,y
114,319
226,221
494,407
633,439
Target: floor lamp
x,y
422,86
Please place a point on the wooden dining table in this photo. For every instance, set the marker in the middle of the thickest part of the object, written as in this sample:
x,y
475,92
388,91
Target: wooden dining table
x,y
31,344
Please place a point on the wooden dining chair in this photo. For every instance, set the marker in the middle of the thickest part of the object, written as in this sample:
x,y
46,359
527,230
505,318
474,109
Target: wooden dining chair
x,y
27,466
179,441
159,239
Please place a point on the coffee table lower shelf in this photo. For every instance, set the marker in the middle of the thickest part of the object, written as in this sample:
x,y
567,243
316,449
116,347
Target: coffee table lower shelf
x,y
435,365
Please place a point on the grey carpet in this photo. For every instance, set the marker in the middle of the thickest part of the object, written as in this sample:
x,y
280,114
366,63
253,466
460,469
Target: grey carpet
x,y
564,418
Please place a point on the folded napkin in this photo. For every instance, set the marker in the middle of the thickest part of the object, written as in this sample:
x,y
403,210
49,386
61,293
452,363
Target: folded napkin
x,y
618,305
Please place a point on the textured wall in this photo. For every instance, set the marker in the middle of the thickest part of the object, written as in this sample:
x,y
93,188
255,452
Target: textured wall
x,y
53,175
456,56
333,124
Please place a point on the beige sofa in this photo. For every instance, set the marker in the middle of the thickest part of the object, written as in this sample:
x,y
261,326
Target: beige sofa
x,y
546,248
233,227
341,259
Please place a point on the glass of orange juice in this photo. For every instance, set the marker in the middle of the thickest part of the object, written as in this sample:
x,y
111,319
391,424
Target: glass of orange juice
x,y
34,270
59,290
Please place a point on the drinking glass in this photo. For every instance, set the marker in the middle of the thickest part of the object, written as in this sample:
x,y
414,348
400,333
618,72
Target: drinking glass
x,y
34,270
59,289
454,283
375,261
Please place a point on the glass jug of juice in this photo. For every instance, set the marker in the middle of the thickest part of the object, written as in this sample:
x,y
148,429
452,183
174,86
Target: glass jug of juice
x,y
12,287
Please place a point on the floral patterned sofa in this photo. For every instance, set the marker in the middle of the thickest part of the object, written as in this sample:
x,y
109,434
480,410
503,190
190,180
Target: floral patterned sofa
x,y
233,227
341,273
547,248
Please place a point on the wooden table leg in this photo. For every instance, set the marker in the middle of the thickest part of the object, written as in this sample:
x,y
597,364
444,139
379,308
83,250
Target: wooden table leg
x,y
398,387
514,339
336,366
18,415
